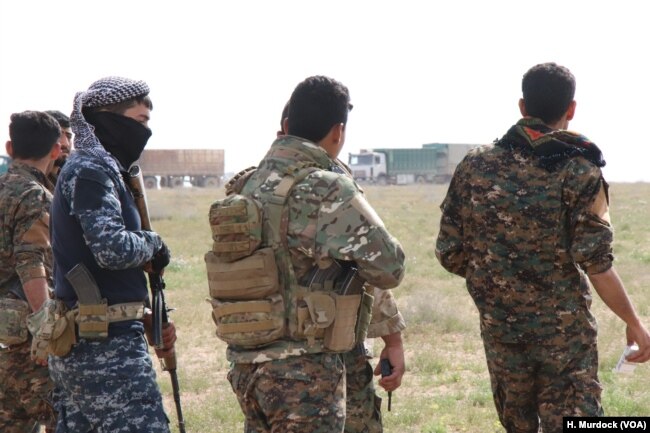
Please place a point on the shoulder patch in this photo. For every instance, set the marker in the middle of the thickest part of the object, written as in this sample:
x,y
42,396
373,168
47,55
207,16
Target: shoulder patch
x,y
97,176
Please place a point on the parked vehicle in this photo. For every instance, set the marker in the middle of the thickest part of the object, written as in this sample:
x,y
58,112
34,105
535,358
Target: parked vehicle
x,y
201,167
4,163
434,162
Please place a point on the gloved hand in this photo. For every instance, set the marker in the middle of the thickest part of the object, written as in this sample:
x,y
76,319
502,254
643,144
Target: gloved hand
x,y
161,259
42,326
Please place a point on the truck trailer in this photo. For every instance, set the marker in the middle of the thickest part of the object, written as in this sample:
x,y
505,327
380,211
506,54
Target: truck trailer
x,y
433,162
201,167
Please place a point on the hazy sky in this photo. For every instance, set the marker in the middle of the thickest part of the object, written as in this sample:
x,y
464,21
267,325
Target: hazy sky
x,y
418,71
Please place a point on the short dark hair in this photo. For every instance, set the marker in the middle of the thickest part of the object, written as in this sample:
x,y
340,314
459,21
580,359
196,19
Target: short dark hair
x,y
64,121
548,90
316,105
33,134
121,107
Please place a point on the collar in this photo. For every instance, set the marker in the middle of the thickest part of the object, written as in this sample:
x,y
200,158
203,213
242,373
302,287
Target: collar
x,y
18,167
291,149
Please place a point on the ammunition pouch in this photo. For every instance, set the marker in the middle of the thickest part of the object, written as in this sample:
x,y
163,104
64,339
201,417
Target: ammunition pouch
x,y
249,324
251,277
340,321
13,321
93,319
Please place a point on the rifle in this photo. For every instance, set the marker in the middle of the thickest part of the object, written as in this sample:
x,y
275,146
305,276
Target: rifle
x,y
157,285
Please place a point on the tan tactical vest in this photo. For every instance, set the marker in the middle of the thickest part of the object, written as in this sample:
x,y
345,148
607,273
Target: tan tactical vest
x,y
251,306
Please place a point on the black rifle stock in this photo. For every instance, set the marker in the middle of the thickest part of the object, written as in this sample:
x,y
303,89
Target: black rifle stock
x,y
157,286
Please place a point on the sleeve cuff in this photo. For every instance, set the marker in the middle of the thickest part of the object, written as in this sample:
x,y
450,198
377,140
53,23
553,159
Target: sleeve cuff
x,y
388,326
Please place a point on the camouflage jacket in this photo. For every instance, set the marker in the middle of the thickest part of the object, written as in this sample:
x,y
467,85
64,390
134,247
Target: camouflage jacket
x,y
25,252
329,219
523,238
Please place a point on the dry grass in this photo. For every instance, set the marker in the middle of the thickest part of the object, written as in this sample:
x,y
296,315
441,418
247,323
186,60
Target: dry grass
x,y
446,387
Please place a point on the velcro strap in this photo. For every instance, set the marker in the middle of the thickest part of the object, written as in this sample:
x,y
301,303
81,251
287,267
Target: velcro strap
x,y
228,247
242,307
228,229
231,328
234,285
36,272
230,211
93,310
284,186
251,262
126,311
99,327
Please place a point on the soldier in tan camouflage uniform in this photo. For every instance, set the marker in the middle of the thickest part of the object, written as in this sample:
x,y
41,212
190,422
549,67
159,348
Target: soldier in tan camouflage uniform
x,y
362,405
293,385
526,223
25,269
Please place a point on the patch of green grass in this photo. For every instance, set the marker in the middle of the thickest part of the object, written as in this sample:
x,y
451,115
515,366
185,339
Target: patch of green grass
x,y
446,388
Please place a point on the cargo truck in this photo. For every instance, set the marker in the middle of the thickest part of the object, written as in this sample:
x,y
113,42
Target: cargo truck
x,y
434,162
4,163
173,167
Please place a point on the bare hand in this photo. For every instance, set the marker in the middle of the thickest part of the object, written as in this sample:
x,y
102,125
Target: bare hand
x,y
394,351
639,334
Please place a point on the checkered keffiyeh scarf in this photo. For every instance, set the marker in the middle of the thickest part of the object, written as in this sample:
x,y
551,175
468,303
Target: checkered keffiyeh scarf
x,y
105,91
551,146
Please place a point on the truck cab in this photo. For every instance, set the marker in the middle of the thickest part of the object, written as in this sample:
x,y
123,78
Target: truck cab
x,y
4,164
368,166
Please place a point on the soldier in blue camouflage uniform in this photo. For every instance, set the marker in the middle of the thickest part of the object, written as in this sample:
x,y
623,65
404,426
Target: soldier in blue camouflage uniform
x,y
292,385
526,223
107,384
25,269
362,404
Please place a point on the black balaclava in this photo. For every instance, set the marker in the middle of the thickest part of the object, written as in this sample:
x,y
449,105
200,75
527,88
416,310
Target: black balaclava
x,y
121,136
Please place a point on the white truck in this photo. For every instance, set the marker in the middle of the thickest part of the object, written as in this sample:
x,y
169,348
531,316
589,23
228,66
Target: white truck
x,y
434,162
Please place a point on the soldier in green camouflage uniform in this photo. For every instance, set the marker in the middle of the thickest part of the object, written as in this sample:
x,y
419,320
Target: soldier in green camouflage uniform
x,y
25,267
362,404
292,385
526,223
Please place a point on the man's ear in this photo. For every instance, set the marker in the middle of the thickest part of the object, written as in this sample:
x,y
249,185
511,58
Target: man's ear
x,y
522,107
571,111
9,148
56,150
337,132
285,126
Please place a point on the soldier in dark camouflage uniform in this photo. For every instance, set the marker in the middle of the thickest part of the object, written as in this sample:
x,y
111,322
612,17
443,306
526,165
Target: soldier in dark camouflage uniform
x,y
292,385
66,143
26,266
526,223
107,383
362,405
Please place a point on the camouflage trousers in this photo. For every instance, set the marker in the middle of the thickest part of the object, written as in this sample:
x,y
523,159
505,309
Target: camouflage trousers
x,y
108,386
362,404
300,394
25,392
536,385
